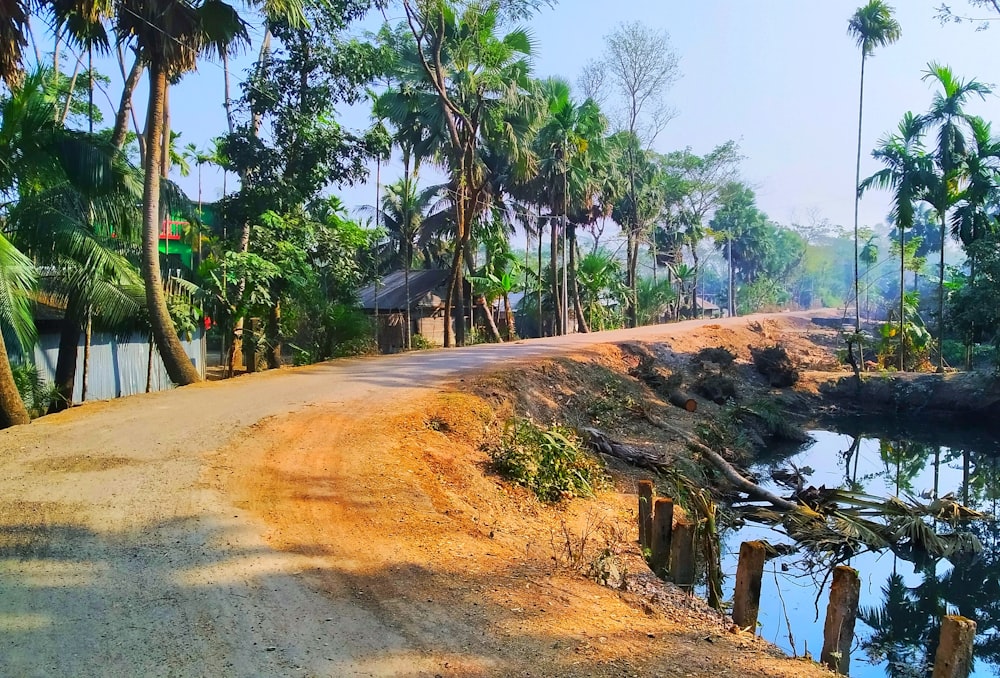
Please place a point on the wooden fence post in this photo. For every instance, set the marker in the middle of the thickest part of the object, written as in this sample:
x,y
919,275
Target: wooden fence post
x,y
663,518
749,574
682,570
645,514
841,613
954,653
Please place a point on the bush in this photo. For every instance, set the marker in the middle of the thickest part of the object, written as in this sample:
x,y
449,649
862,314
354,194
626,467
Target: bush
x,y
35,393
419,342
548,461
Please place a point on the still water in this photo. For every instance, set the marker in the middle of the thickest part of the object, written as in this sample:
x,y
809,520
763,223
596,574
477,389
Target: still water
x,y
901,603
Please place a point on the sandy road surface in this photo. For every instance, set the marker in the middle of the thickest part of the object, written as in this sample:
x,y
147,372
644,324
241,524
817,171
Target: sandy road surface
x,y
117,558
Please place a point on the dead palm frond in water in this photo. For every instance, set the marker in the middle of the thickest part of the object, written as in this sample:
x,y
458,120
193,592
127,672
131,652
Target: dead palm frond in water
x,y
834,525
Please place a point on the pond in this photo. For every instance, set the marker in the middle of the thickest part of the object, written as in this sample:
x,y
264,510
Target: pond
x,y
902,602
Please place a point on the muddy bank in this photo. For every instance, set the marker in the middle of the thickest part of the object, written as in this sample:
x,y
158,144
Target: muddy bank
x,y
967,397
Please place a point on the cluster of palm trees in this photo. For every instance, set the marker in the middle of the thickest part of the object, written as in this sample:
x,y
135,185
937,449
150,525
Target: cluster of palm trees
x,y
522,152
957,177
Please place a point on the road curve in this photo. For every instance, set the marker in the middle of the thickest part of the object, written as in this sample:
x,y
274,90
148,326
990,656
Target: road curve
x,y
118,559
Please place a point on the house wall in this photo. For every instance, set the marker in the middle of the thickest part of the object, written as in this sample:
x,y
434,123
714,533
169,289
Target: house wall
x,y
117,368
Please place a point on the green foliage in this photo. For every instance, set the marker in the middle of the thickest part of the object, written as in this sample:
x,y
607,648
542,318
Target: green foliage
x,y
973,310
916,338
548,461
34,391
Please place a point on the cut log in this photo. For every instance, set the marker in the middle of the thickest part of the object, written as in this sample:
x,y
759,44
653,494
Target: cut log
x,y
660,537
841,613
749,575
683,401
682,555
954,653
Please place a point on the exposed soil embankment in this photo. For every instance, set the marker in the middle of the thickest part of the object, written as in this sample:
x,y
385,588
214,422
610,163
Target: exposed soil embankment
x,y
478,576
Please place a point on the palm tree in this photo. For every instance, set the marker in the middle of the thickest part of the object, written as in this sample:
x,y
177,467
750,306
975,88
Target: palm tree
x,y
871,26
907,172
568,132
170,35
948,115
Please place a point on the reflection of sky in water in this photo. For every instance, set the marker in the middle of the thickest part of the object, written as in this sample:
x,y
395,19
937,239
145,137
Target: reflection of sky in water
x,y
797,599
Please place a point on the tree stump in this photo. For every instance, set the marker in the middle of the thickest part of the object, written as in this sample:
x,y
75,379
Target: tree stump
x,y
682,557
841,613
749,575
954,653
645,513
660,536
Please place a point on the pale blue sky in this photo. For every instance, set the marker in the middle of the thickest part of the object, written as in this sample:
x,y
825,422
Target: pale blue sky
x,y
779,76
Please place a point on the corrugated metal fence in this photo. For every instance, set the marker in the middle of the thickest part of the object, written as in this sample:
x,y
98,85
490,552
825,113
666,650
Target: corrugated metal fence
x,y
117,367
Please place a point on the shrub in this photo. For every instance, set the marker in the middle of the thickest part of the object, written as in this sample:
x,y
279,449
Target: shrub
x,y
36,394
548,461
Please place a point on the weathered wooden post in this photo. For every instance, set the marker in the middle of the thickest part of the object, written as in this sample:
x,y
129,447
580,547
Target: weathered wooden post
x,y
841,613
954,653
660,537
749,574
682,570
645,513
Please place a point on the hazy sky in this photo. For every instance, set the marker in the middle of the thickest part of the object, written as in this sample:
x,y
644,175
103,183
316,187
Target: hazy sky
x,y
778,76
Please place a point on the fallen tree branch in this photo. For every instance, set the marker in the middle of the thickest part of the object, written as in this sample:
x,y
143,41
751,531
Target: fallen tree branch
x,y
725,468
628,453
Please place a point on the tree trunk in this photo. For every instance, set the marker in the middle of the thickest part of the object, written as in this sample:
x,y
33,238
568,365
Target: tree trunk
x,y
125,105
179,366
236,349
227,100
12,410
149,366
87,335
491,324
581,321
541,318
274,336
695,304
554,276
509,317
409,302
940,318
902,292
69,344
857,200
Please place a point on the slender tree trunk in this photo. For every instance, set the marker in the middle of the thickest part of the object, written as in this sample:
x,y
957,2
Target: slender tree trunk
x,y
226,92
69,94
12,409
65,379
857,200
178,365
902,298
491,324
509,317
581,321
274,336
554,277
695,304
406,284
149,366
125,105
87,336
940,319
732,285
541,330
236,349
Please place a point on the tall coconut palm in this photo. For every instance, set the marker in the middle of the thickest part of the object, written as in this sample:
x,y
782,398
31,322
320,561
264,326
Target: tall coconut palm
x,y
170,36
872,25
947,114
908,170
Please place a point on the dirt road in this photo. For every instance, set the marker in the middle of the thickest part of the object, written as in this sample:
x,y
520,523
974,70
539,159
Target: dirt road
x,y
121,554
